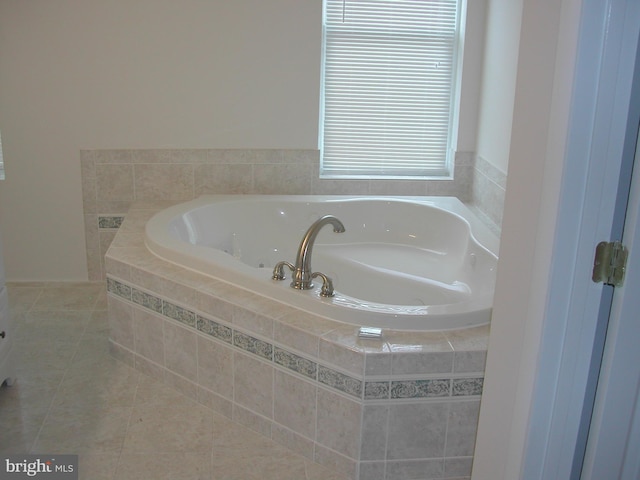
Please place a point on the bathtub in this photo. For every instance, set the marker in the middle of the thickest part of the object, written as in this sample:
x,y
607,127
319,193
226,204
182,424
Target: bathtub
x,y
403,263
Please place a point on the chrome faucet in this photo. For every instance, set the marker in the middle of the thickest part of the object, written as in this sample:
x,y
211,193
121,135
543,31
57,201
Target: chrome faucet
x,y
302,272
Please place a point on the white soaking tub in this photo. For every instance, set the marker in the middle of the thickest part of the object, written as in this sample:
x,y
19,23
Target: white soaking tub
x,y
402,263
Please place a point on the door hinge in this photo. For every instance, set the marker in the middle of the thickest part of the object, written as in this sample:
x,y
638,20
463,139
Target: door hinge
x,y
610,263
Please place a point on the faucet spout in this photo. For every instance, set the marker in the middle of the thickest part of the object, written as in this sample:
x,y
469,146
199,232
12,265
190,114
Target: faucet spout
x,y
303,272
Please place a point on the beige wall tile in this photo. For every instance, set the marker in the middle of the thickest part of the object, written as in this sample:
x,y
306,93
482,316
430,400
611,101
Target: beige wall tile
x,y
89,193
458,467
92,244
180,350
335,461
339,424
253,384
295,403
215,402
181,384
372,470
215,367
223,179
462,427
393,187
164,181
253,322
122,354
417,431
296,338
339,348
121,322
148,336
252,420
114,182
326,186
149,368
293,441
408,363
214,306
374,432
403,470
282,179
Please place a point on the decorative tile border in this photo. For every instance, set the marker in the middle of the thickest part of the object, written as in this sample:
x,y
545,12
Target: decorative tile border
x,y
340,381
421,388
215,329
376,390
467,386
367,390
110,222
146,300
295,362
179,314
119,289
253,345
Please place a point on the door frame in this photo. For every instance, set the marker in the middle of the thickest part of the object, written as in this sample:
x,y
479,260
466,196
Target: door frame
x,y
563,176
614,428
572,348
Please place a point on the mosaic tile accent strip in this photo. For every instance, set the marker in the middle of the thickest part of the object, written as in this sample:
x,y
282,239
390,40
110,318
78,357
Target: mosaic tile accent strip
x,y
340,381
178,313
295,362
253,345
421,388
215,329
376,390
370,390
467,386
146,300
119,289
110,222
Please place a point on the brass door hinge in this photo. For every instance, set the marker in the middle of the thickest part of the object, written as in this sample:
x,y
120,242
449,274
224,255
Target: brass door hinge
x,y
610,263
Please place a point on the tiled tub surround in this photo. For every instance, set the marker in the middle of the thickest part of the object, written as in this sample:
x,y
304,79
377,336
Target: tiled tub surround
x,y
404,407
113,179
487,191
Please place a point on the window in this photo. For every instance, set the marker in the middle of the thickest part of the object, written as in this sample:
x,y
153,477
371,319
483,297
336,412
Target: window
x,y
389,88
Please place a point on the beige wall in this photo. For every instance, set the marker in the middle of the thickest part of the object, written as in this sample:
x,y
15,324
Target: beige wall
x,y
499,81
145,73
495,99
127,74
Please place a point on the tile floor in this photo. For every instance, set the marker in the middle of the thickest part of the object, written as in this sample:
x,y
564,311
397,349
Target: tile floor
x,y
71,396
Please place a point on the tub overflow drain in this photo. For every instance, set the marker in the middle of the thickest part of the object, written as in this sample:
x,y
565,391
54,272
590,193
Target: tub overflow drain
x,y
370,332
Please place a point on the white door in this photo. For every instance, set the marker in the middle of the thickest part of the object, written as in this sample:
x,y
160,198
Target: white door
x,y
613,446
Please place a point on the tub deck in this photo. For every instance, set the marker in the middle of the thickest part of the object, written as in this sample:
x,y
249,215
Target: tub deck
x,y
369,408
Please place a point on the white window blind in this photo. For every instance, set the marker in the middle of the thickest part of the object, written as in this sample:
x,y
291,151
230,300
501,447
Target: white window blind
x,y
388,87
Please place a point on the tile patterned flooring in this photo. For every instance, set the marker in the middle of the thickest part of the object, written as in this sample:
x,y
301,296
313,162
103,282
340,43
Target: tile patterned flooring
x,y
71,396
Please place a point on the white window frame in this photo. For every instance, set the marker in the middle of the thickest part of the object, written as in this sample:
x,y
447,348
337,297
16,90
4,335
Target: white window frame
x,y
372,157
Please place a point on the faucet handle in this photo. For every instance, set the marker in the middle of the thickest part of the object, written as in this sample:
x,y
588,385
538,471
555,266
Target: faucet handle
x,y
278,270
327,284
